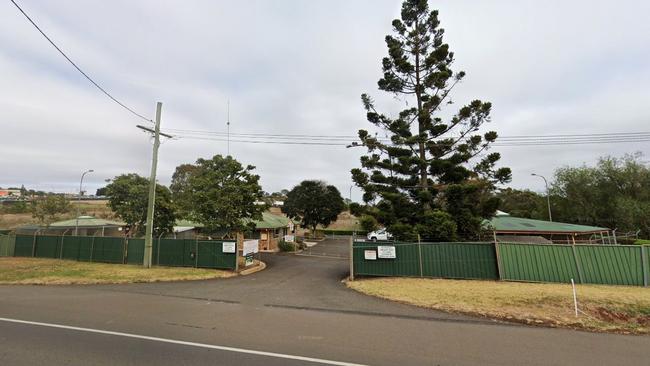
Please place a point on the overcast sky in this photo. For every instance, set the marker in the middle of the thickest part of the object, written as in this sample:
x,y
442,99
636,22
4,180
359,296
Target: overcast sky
x,y
299,67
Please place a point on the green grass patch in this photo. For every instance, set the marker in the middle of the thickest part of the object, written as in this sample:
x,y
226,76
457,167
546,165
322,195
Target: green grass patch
x,y
40,271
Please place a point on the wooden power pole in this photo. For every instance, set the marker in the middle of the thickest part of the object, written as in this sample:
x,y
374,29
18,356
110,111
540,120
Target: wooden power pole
x,y
148,239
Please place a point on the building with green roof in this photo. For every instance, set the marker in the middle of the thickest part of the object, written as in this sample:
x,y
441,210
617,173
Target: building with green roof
x,y
503,225
87,226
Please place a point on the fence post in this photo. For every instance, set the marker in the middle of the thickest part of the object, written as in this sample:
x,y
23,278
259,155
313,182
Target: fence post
x,y
61,249
196,256
92,248
498,255
158,253
125,250
420,255
34,244
644,265
577,262
352,258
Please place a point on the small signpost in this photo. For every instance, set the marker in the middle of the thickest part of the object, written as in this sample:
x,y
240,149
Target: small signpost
x,y
289,238
250,248
386,252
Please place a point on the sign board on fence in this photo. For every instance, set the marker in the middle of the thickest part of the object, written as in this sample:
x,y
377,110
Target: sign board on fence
x,y
289,238
386,251
229,247
248,260
370,255
251,247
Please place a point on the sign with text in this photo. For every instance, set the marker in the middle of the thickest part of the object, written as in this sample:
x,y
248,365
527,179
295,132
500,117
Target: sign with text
x,y
386,251
370,255
289,238
251,247
228,247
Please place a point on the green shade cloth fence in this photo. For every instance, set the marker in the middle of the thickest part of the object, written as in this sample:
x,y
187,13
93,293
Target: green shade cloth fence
x,y
593,264
166,252
7,244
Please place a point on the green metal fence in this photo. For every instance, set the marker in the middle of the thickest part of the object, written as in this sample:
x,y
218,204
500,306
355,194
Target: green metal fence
x,y
7,243
444,260
166,252
593,264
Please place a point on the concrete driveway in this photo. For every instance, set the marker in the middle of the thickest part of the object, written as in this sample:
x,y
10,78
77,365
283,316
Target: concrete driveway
x,y
296,312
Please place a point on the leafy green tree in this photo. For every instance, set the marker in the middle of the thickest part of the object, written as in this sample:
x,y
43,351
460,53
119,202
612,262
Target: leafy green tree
x,y
182,190
615,194
314,203
368,223
523,203
128,197
48,208
223,195
425,164
101,192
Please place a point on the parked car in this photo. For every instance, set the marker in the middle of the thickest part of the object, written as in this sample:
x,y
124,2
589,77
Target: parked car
x,y
380,234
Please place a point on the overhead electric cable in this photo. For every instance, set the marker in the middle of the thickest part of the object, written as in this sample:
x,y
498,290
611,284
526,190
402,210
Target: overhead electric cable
x,y
78,68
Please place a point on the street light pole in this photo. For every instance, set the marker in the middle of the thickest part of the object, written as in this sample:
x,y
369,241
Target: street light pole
x,y
81,182
351,194
548,196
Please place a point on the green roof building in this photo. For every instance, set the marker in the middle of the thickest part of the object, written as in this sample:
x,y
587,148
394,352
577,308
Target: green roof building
x,y
503,225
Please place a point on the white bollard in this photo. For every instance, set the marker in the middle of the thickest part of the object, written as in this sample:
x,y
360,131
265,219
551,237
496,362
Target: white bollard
x,y
575,298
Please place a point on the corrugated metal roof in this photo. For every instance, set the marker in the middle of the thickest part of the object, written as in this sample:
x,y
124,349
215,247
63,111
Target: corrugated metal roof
x,y
511,224
271,221
86,221
268,221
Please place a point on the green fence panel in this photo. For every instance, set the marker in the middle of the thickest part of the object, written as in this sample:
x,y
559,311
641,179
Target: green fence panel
x,y
647,262
23,245
108,250
135,251
211,255
611,264
406,262
176,252
537,262
7,244
48,246
459,260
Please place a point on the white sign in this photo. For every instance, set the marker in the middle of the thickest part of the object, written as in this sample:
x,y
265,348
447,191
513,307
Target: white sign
x,y
289,238
370,255
229,247
386,251
251,247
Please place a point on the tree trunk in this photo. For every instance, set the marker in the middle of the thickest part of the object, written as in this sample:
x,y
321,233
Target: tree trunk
x,y
418,96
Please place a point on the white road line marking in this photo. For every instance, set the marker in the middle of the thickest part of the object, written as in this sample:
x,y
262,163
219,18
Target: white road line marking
x,y
184,343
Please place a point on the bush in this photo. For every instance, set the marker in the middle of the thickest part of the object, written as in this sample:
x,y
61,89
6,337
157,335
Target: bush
x,y
287,246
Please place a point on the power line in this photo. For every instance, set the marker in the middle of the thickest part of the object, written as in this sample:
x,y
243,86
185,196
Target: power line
x,y
320,142
500,139
78,68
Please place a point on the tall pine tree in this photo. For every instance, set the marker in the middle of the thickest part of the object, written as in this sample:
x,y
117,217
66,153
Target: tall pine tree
x,y
429,176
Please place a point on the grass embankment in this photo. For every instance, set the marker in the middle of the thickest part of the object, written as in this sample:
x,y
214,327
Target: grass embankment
x,y
39,271
604,308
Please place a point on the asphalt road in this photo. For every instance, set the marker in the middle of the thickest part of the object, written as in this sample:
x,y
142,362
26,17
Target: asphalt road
x,y
296,307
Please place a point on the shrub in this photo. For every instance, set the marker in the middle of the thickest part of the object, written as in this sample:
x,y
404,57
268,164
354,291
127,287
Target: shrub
x,y
286,246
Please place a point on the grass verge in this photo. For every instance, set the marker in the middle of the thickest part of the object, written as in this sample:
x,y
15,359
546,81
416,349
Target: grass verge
x,y
603,308
39,271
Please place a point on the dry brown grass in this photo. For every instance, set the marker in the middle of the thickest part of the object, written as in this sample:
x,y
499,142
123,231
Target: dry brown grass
x,y
39,271
345,221
605,308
